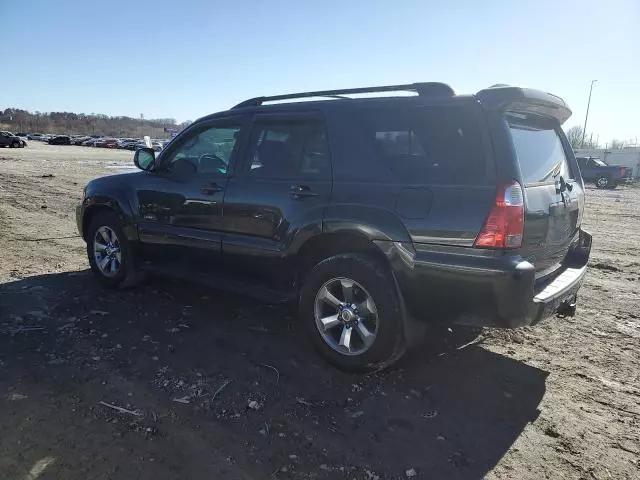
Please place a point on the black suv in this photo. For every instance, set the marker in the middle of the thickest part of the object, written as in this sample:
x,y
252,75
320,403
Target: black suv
x,y
377,215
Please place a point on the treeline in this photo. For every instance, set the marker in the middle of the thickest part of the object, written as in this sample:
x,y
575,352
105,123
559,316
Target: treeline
x,y
16,120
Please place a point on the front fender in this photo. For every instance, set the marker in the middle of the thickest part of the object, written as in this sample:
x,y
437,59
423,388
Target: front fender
x,y
112,199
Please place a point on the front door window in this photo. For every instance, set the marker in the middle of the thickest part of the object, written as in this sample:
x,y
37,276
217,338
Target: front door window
x,y
206,151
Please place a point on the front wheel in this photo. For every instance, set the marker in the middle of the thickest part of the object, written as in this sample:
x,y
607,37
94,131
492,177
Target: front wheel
x,y
352,314
602,182
110,254
15,144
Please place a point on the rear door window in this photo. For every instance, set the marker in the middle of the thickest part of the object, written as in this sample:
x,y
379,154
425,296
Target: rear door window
x,y
539,150
429,144
289,149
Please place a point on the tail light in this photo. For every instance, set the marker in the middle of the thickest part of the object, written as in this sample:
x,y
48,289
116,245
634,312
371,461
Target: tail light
x,y
504,225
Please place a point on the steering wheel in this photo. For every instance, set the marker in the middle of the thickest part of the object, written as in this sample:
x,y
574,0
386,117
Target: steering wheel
x,y
211,162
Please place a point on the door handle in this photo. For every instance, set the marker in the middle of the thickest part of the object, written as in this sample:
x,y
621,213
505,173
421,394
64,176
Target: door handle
x,y
302,191
211,189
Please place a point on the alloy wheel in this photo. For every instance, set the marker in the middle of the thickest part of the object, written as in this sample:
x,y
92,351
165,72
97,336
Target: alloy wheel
x,y
106,251
346,316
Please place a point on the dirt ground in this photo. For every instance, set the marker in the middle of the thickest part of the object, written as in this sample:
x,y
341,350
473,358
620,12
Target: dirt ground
x,y
175,381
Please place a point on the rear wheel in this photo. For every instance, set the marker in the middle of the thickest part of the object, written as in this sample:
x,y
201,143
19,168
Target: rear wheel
x,y
351,312
602,182
110,254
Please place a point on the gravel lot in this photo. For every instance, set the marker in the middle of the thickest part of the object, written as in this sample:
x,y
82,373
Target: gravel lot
x,y
176,381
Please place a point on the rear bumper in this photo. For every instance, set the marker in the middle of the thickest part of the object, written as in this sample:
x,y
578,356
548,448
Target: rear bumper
x,y
498,291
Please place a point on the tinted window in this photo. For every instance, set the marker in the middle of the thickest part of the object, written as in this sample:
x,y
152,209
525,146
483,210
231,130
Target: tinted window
x,y
431,145
205,151
539,150
289,149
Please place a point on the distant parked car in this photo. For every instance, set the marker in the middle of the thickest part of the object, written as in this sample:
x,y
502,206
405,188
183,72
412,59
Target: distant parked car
x,y
156,146
22,134
60,140
106,143
23,137
34,136
130,144
8,139
604,176
122,142
79,140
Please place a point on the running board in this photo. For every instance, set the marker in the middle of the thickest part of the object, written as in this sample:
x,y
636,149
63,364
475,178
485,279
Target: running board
x,y
218,281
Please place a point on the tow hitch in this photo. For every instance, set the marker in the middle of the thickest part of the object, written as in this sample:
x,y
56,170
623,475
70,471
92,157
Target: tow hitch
x,y
568,307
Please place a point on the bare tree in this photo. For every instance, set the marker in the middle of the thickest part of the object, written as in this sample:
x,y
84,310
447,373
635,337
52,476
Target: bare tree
x,y
616,144
65,122
574,135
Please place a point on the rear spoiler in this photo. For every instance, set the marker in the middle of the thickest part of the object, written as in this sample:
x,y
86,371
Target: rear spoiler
x,y
524,100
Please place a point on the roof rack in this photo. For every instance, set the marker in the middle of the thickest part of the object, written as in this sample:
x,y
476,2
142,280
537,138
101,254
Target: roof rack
x,y
423,89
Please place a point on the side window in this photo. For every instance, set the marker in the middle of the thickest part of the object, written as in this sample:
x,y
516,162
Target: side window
x,y
428,144
404,142
289,150
591,163
205,151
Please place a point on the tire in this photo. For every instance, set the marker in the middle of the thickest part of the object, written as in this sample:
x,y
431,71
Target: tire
x,y
368,278
603,182
126,274
15,144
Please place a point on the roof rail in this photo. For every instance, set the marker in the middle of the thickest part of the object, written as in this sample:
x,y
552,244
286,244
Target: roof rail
x,y
425,88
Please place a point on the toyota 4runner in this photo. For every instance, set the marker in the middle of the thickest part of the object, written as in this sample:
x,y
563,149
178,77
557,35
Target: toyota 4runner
x,y
377,215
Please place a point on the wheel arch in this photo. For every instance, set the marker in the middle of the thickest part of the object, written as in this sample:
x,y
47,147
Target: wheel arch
x,y
93,206
325,245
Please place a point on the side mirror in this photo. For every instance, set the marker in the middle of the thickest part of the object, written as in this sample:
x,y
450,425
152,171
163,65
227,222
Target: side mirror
x,y
145,159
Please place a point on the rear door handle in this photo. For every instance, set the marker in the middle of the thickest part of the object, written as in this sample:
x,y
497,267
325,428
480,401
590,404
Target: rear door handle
x,y
211,189
302,191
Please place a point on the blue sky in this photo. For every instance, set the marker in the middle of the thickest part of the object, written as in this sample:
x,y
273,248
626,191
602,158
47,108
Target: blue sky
x,y
184,59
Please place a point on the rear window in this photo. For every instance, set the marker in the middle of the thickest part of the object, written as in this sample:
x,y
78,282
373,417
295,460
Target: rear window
x,y
539,151
431,145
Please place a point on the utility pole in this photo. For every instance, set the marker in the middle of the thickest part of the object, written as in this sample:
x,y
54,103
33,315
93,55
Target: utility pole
x,y
584,129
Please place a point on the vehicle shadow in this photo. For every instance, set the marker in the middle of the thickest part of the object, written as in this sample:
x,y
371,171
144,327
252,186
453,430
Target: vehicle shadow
x,y
445,411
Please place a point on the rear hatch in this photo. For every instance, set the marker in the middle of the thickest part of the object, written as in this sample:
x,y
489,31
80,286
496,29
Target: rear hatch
x,y
553,194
